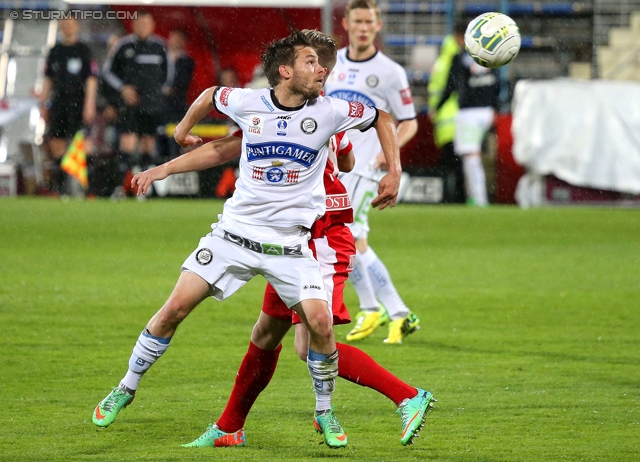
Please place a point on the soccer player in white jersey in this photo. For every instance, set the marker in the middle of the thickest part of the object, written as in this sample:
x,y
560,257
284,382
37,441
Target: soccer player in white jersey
x,y
363,74
264,227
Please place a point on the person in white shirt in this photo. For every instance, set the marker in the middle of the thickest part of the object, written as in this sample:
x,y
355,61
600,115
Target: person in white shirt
x,y
363,74
264,227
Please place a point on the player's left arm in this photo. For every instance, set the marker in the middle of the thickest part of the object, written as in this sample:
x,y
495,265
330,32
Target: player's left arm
x,y
390,183
206,156
202,106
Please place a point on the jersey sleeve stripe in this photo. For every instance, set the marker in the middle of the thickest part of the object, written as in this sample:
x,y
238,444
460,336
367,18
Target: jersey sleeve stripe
x,y
213,98
373,123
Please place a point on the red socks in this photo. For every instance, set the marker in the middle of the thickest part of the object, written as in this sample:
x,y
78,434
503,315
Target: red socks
x,y
258,366
360,368
254,375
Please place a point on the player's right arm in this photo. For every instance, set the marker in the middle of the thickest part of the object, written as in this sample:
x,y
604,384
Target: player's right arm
x,y
390,183
202,106
209,155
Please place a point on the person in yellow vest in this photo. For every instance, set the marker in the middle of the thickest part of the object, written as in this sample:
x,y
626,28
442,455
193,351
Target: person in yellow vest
x,y
444,120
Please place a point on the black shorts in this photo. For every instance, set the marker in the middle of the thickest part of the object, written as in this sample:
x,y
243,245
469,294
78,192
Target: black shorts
x,y
131,119
65,119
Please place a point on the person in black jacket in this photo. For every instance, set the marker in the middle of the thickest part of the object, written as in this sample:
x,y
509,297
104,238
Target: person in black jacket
x,y
137,69
478,89
68,97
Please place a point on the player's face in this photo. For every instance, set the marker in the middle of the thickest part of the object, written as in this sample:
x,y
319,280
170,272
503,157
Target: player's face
x,y
143,26
69,27
362,25
308,74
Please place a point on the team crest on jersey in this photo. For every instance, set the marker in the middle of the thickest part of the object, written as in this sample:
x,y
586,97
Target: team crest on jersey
x,y
372,80
356,110
129,52
276,175
256,124
281,128
309,125
224,95
204,256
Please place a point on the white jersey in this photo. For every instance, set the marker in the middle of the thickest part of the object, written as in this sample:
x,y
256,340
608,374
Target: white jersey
x,y
378,82
284,153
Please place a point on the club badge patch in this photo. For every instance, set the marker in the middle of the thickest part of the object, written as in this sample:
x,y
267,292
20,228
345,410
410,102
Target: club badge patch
x,y
276,175
372,80
204,256
309,125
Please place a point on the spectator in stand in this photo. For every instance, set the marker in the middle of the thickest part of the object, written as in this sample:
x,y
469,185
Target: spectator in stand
x,y
180,75
137,69
478,89
229,78
68,98
175,90
444,120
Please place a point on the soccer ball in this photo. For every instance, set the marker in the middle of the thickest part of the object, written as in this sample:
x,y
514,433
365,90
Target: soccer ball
x,y
492,39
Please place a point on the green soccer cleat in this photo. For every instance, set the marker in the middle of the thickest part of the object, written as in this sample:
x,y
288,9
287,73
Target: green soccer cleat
x,y
402,327
414,412
216,438
328,425
107,410
366,323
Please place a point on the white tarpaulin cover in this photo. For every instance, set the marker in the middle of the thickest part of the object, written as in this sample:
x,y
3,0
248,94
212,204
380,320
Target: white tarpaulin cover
x,y
586,133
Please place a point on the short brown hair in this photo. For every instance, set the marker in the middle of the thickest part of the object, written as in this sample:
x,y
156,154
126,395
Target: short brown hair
x,y
281,52
324,45
362,4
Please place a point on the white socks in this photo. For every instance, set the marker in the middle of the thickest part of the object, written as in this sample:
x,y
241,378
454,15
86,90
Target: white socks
x,y
474,179
146,352
359,278
380,282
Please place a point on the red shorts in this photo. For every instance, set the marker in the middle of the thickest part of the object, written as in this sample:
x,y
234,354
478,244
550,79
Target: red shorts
x,y
335,252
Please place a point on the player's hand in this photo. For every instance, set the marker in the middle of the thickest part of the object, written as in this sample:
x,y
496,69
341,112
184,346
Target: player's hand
x,y
44,113
381,162
387,191
184,137
130,95
141,182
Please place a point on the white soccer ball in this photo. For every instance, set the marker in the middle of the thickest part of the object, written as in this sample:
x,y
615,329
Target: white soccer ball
x,y
492,39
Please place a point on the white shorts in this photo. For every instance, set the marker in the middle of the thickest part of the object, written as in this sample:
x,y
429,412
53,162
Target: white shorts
x,y
233,253
471,126
361,192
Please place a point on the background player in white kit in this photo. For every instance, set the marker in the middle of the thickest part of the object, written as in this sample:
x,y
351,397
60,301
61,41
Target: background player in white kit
x,y
264,226
363,74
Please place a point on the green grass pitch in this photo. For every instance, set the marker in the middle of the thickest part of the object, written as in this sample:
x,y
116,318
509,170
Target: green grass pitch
x,y
530,337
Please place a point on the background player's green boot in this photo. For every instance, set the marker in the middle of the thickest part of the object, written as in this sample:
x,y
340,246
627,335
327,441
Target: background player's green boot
x,y
402,327
366,323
